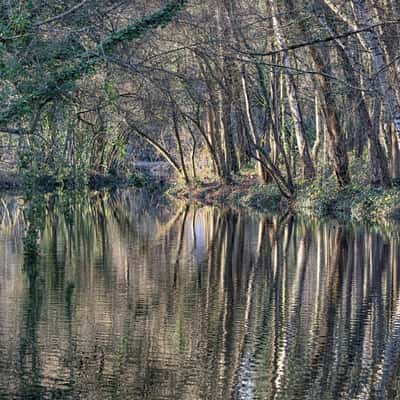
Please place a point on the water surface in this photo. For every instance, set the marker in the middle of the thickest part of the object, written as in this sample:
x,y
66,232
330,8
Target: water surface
x,y
131,299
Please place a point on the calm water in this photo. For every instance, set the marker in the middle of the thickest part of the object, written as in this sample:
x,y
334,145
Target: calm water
x,y
133,301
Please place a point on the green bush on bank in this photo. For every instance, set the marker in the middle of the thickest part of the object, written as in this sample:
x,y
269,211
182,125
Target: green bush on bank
x,y
258,196
358,201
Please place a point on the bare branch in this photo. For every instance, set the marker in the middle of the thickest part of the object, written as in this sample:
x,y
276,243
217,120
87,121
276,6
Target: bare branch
x,y
319,41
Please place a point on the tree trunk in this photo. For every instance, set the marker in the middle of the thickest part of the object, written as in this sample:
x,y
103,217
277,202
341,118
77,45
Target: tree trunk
x,y
295,110
336,138
392,106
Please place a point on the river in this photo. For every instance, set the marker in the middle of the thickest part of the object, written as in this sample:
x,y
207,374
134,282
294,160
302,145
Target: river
x,y
135,298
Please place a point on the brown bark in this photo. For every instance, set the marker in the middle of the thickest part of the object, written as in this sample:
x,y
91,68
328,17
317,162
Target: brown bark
x,y
336,137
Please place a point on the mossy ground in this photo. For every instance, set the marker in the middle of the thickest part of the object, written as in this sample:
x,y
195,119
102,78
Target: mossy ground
x,y
358,202
322,198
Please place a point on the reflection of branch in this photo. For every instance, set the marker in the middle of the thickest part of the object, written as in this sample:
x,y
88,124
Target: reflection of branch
x,y
182,231
10,218
166,228
180,244
6,215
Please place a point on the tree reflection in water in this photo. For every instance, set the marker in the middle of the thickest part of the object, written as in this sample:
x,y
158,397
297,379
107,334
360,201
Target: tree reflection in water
x,y
133,299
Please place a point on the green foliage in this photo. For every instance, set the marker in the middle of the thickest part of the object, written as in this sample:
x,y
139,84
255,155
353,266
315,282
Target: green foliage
x,y
319,195
18,22
375,204
38,71
56,66
258,196
138,28
40,174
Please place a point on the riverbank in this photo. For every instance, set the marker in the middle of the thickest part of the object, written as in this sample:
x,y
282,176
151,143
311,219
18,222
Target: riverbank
x,y
13,181
358,202
319,198
149,174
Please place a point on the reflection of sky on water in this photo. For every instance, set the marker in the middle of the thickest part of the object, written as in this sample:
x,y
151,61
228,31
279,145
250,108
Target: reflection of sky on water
x,y
245,388
199,238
